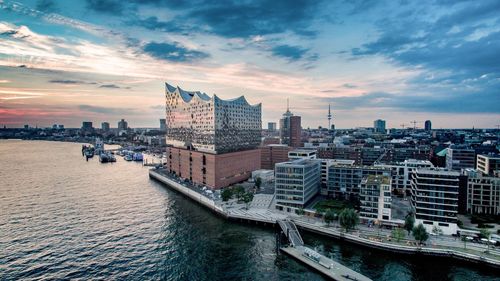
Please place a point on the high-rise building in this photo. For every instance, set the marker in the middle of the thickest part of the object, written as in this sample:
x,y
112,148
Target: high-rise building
x,y
460,157
87,126
105,126
122,125
379,126
375,198
163,124
211,141
428,125
435,199
271,126
488,164
60,126
26,127
291,129
296,183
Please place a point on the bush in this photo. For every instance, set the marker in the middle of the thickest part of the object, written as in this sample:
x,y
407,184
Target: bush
x,y
226,194
329,216
420,233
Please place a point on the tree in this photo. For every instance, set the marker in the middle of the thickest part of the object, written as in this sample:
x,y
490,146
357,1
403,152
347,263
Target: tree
x,y
348,219
258,182
398,234
409,222
247,198
464,239
485,233
239,191
329,216
226,194
300,211
420,233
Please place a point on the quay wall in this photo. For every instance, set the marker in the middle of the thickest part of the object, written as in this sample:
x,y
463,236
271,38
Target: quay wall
x,y
210,204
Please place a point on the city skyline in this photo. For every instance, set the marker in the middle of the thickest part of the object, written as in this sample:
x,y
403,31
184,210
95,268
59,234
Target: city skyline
x,y
106,60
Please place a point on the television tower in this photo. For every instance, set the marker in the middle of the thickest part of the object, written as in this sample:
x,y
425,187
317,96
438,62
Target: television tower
x,y
329,117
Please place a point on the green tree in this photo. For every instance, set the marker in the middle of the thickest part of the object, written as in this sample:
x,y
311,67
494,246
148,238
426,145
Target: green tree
x,y
398,234
485,233
247,198
329,216
258,182
409,222
420,233
464,239
239,191
300,211
348,219
226,194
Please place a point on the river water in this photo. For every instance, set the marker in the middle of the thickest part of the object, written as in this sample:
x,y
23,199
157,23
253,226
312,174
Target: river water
x,y
64,218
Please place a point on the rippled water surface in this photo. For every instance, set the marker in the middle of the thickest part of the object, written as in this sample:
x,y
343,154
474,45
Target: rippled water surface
x,y
62,218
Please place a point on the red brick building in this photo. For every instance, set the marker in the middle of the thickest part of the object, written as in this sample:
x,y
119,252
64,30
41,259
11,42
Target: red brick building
x,y
272,154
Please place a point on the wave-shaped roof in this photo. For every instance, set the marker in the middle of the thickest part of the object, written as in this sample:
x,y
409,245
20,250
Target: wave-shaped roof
x,y
187,96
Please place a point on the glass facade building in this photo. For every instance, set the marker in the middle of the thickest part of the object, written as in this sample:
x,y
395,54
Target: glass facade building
x,y
296,183
199,122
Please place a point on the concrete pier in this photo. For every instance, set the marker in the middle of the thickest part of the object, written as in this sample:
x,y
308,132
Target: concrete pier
x,y
328,267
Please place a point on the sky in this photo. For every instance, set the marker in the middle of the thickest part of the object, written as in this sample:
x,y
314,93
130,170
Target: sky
x,y
64,62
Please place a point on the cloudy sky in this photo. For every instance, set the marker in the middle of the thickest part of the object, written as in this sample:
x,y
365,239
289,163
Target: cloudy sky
x,y
102,60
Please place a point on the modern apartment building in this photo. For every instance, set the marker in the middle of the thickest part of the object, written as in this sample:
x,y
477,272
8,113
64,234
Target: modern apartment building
x,y
401,173
483,194
344,180
375,198
296,183
460,157
211,141
434,198
122,125
488,164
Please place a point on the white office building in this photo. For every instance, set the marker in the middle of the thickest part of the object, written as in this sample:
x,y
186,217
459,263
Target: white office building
x,y
434,198
375,198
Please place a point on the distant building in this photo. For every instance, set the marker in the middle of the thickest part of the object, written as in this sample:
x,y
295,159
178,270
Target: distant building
x,y
379,126
271,126
483,194
54,126
105,126
87,126
296,183
291,129
375,198
163,124
272,154
460,157
428,125
122,125
270,140
435,199
60,127
211,141
488,164
302,154
26,127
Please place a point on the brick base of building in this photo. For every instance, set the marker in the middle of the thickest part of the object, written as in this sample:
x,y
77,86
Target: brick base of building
x,y
213,170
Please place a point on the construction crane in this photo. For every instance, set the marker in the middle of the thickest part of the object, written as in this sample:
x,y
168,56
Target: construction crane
x,y
403,125
415,122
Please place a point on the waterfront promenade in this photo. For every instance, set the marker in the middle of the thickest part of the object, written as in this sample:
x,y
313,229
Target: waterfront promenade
x,y
270,216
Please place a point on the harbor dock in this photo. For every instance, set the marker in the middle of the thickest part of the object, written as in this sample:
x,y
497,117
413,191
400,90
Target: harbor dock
x,y
324,265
